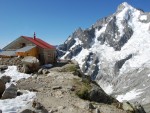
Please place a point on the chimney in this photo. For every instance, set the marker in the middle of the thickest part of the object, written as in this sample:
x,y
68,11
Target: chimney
x,y
34,37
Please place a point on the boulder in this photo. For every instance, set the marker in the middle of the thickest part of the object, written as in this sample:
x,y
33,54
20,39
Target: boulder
x,y
97,110
3,67
10,92
138,108
35,76
39,108
2,87
30,64
6,79
56,87
97,94
25,69
127,106
45,71
40,71
27,111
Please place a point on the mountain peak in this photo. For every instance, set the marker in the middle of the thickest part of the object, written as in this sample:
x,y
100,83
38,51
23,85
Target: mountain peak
x,y
123,6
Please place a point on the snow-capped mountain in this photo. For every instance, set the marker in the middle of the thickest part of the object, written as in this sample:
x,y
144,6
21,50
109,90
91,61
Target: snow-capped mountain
x,y
115,51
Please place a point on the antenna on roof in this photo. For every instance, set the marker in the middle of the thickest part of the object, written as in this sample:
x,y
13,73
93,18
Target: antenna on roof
x,y
34,37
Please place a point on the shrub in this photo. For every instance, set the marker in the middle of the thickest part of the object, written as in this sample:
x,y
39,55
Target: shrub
x,y
69,68
82,89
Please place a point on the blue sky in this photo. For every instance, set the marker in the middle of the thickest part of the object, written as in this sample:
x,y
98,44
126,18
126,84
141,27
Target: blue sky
x,y
54,20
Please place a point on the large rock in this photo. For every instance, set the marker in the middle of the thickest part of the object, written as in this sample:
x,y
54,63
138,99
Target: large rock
x,y
39,108
25,69
97,94
3,67
27,111
6,79
10,92
127,106
30,64
2,87
45,71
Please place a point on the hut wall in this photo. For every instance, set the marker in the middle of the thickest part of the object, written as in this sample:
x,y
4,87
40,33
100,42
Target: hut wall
x,y
32,52
47,56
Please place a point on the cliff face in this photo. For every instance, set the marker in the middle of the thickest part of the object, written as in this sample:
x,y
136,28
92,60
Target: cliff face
x,y
115,52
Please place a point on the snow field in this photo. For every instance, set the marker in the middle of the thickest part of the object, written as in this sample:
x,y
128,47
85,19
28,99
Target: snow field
x,y
18,103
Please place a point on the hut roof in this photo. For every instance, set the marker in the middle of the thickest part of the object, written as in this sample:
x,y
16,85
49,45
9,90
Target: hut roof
x,y
39,42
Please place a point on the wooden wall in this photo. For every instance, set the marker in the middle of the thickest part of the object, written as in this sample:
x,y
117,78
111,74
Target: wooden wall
x,y
32,52
47,56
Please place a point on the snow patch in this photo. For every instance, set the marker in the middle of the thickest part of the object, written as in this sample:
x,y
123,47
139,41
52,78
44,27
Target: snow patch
x,y
81,56
129,95
143,17
108,89
98,32
14,74
16,104
78,42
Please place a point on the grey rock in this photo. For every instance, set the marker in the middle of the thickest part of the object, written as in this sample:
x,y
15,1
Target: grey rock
x,y
25,69
30,64
97,110
2,87
39,108
6,79
98,95
127,107
45,71
10,92
120,63
3,67
27,111
40,71
91,106
138,108
56,87
35,76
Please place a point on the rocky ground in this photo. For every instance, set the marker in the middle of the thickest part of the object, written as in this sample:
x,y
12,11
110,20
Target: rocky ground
x,y
58,90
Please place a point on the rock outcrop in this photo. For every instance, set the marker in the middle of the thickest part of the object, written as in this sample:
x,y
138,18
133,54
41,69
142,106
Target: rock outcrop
x,y
62,91
10,92
2,87
30,64
6,79
3,67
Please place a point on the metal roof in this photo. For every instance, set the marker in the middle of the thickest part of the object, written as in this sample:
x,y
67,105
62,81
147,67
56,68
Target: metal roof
x,y
8,53
26,48
39,42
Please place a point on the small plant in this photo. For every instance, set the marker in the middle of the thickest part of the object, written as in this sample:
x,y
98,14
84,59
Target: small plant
x,y
69,68
82,88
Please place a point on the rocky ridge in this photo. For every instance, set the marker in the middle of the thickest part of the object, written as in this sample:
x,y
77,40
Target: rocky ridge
x,y
59,90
